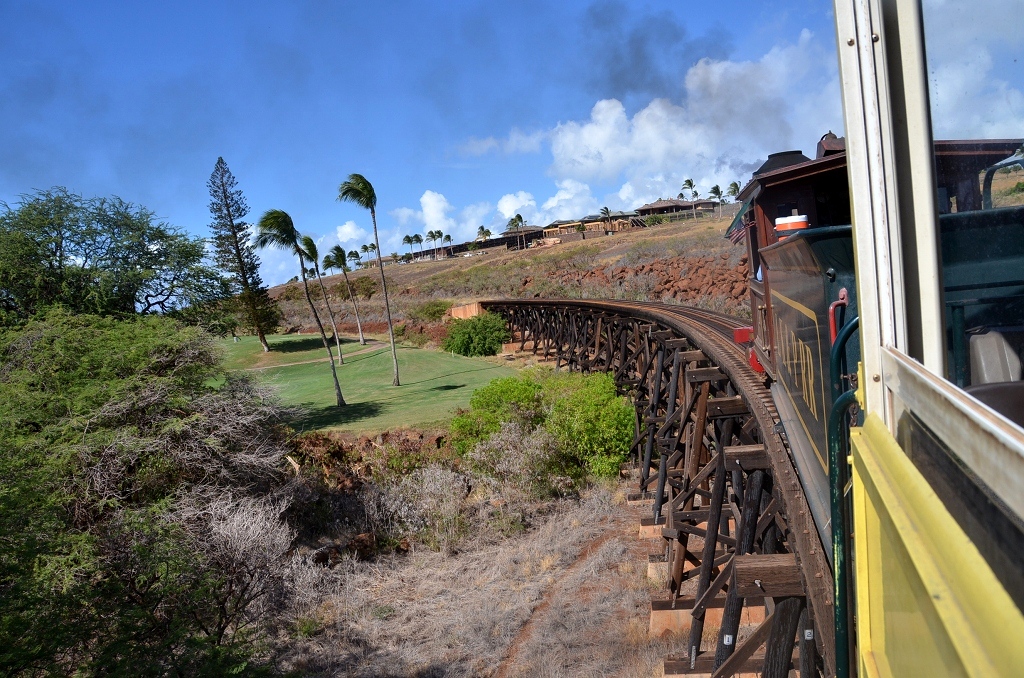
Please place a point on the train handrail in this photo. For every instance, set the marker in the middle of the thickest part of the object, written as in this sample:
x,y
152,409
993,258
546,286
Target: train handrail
x,y
838,437
837,355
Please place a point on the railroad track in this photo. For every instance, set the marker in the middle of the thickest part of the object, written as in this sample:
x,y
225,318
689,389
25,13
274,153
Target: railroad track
x,y
711,452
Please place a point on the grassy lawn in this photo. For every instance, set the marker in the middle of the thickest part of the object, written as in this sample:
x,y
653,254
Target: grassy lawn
x,y
433,383
284,350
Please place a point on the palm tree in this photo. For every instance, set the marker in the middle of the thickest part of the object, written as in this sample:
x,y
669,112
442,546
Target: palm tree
x,y
447,240
688,187
734,190
354,257
365,249
438,238
407,240
337,257
693,196
431,237
276,229
394,257
482,233
308,246
516,224
417,239
716,193
607,215
358,190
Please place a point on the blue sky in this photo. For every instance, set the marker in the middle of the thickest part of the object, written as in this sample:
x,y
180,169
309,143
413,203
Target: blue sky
x,y
459,113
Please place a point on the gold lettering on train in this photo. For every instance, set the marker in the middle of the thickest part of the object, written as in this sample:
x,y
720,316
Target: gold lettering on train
x,y
797,357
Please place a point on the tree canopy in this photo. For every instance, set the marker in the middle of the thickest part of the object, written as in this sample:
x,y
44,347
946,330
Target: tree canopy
x,y
235,254
97,255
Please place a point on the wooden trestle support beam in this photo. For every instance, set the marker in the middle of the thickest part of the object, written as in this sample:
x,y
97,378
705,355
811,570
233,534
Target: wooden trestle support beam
x,y
724,490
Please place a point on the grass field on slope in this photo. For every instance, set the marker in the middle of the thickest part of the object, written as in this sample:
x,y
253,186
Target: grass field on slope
x,y
434,384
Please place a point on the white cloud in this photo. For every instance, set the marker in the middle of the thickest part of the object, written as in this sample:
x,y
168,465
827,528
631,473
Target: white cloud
x,y
732,115
518,141
471,217
403,215
512,203
350,231
480,146
972,57
523,142
572,201
435,208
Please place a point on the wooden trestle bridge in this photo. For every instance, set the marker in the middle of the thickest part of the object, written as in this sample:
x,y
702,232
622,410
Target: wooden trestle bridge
x,y
711,453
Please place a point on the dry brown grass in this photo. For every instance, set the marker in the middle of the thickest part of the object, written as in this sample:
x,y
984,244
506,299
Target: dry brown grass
x,y
501,273
568,597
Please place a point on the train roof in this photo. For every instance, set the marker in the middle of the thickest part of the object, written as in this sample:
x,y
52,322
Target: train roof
x,y
982,153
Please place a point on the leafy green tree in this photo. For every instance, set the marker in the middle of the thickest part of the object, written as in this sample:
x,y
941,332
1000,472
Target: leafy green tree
x,y
276,229
337,258
478,336
99,255
235,254
358,190
308,246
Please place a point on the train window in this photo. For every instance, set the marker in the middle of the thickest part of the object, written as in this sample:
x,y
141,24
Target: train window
x,y
975,53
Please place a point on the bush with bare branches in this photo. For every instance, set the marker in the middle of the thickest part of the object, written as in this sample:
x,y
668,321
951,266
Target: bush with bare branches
x,y
144,501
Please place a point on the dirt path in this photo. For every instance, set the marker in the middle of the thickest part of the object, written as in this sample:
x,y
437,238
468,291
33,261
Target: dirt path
x,y
618,527
374,347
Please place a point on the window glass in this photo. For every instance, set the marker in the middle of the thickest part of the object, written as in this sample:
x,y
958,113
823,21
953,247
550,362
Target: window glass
x,y
975,52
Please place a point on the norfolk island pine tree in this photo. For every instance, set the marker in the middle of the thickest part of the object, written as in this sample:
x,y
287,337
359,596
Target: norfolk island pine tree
x,y
276,229
309,249
234,254
337,257
358,190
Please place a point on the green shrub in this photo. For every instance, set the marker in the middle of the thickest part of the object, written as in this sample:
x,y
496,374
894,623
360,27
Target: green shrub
x,y
128,456
590,421
478,336
502,400
591,424
429,311
365,287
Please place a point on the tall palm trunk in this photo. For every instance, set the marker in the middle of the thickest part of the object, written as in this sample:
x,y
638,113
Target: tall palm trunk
x,y
359,325
330,314
387,303
323,335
